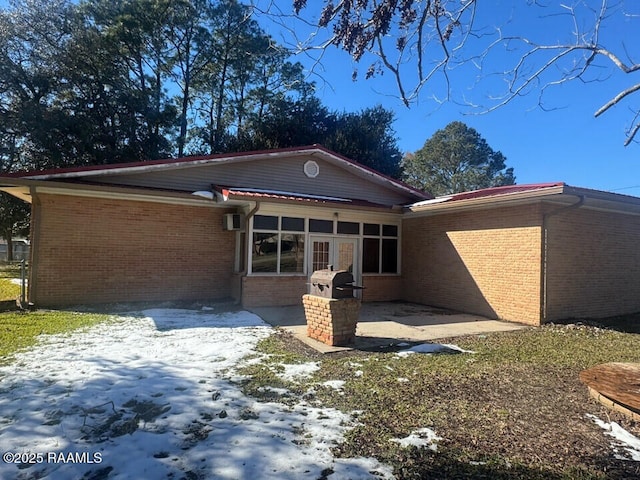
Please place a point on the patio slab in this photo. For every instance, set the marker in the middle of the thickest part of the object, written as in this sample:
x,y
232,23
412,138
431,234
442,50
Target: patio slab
x,y
386,324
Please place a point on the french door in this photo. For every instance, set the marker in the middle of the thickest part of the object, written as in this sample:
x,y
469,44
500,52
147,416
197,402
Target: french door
x,y
341,253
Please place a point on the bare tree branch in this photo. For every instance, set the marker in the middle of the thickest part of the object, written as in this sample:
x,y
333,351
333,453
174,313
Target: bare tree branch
x,y
422,42
617,99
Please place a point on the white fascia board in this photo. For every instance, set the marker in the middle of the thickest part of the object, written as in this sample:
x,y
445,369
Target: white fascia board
x,y
172,199
327,213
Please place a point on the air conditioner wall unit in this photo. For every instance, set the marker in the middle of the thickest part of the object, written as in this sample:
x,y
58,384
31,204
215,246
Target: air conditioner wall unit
x,y
233,221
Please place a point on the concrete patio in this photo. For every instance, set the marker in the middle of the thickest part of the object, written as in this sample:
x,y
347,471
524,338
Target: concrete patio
x,y
384,325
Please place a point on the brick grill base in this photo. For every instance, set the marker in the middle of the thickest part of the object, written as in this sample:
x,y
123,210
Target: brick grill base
x,y
331,321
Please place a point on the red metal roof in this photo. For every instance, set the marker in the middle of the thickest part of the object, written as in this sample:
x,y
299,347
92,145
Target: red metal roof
x,y
145,163
253,194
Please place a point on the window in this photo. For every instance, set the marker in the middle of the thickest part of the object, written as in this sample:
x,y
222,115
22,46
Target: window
x,y
320,226
277,248
278,244
293,224
349,228
265,252
371,229
389,255
380,252
291,253
265,222
371,255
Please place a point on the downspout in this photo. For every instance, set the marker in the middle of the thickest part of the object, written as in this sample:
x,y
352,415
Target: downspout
x,y
34,247
247,219
545,252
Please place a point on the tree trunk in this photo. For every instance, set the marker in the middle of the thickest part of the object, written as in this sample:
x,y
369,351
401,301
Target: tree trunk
x,y
8,235
183,113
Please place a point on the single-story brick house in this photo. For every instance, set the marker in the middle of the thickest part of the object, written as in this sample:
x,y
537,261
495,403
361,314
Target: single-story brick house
x,y
254,226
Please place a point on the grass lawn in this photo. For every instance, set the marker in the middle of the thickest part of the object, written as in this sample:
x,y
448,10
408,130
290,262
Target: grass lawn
x,y
19,330
9,290
513,409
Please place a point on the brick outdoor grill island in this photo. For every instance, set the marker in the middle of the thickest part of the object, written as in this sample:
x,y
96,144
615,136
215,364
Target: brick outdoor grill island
x,y
330,307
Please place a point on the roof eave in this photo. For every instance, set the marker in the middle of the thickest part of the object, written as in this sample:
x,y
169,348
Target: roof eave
x,y
25,188
515,198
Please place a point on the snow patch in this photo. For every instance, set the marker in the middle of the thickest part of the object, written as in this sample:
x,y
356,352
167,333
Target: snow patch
x,y
335,384
623,440
298,371
161,390
433,348
421,438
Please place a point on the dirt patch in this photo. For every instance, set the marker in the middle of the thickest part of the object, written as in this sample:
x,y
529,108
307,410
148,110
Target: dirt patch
x,y
105,421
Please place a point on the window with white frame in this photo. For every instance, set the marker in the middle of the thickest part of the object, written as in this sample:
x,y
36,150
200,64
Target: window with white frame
x,y
278,244
379,248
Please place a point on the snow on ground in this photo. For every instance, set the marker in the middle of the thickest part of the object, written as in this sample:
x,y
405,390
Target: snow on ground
x,y
623,440
296,371
154,395
421,438
433,348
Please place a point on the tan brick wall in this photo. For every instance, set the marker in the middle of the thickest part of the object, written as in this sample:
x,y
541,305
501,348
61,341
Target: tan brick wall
x,y
484,262
593,264
381,288
92,250
273,290
331,321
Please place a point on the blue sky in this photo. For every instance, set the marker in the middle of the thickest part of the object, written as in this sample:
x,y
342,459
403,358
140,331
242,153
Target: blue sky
x,y
564,144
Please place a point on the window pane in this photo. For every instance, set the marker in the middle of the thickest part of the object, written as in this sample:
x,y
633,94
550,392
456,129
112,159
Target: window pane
x,y
371,229
321,226
265,222
345,256
370,255
389,255
349,228
264,257
320,256
292,253
293,224
389,230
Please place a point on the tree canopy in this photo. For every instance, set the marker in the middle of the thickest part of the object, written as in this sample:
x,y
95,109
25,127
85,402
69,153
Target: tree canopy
x,y
100,81
456,159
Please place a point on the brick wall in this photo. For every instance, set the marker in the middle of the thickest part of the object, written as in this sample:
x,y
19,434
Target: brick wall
x,y
381,288
331,321
92,250
484,262
273,290
593,264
